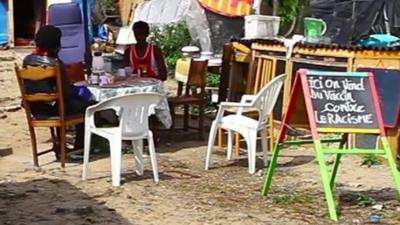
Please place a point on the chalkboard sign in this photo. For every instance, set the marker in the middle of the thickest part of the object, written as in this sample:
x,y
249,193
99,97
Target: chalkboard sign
x,y
388,86
334,102
342,101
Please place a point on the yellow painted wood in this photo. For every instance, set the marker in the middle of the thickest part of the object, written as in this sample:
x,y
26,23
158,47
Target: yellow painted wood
x,y
242,57
287,86
348,130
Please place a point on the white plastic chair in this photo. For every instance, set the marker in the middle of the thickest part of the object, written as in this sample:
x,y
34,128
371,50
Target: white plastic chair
x,y
133,111
248,127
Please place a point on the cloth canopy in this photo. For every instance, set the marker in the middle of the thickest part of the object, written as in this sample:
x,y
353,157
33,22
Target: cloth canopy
x,y
230,8
171,11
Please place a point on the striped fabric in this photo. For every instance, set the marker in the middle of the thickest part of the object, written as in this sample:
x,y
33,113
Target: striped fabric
x,y
229,8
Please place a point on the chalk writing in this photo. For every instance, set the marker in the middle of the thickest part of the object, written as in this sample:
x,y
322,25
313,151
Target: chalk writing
x,y
348,118
344,107
341,101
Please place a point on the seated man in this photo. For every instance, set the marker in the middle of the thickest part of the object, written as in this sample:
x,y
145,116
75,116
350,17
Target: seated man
x,y
48,43
145,59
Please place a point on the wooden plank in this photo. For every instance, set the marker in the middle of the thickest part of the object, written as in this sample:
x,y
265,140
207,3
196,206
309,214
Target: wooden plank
x,y
334,52
338,53
287,88
225,72
373,54
242,57
319,62
269,47
393,137
348,130
353,151
11,41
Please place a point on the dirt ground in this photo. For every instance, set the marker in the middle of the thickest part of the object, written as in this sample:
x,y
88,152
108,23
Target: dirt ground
x,y
186,193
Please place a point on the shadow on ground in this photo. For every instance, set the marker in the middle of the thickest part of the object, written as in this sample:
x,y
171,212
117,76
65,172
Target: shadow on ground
x,y
366,198
52,201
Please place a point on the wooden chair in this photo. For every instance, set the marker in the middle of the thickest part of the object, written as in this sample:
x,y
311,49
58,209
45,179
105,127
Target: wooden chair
x,y
61,121
194,95
75,72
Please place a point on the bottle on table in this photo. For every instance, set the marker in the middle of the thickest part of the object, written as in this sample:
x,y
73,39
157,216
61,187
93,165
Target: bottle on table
x,y
142,70
97,67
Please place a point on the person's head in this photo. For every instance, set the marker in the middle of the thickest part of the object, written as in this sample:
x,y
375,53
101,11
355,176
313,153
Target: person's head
x,y
141,30
49,38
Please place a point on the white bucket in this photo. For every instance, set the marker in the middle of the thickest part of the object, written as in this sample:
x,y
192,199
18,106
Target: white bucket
x,y
259,26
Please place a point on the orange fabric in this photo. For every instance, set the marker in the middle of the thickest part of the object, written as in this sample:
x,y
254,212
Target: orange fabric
x,y
230,8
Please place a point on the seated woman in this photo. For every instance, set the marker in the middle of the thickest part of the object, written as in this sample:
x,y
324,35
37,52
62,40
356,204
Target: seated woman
x,y
48,43
145,58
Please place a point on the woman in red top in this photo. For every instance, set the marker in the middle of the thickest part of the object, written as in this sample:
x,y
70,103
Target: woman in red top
x,y
145,58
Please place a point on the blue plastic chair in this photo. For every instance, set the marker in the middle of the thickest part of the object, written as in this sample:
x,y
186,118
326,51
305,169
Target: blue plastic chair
x,y
67,17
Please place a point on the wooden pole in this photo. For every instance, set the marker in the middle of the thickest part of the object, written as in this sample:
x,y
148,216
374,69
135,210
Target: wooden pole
x,y
88,54
275,7
10,23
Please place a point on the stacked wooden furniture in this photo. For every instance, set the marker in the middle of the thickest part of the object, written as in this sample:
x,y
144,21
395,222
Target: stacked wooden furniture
x,y
315,56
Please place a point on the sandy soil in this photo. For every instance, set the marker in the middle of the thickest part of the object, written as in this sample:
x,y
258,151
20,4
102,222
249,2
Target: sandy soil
x,y
186,194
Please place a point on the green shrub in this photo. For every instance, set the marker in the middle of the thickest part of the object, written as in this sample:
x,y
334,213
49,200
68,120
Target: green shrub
x,y
170,38
370,160
212,80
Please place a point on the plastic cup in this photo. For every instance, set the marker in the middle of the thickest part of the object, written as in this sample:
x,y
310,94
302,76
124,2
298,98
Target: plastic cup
x,y
104,80
121,72
128,71
94,79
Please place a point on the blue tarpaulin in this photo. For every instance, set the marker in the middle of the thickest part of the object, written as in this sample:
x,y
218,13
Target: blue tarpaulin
x,y
3,22
89,7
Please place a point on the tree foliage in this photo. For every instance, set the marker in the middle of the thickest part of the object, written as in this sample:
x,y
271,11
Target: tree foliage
x,y
109,7
288,10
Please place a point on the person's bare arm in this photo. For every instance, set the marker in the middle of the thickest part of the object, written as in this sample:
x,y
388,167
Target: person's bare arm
x,y
162,69
126,57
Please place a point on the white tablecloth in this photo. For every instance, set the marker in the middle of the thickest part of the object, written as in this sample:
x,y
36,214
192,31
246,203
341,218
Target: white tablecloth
x,y
136,85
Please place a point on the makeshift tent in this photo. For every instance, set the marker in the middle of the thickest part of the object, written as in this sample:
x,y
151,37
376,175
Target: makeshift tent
x,y
351,20
20,20
25,18
162,12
